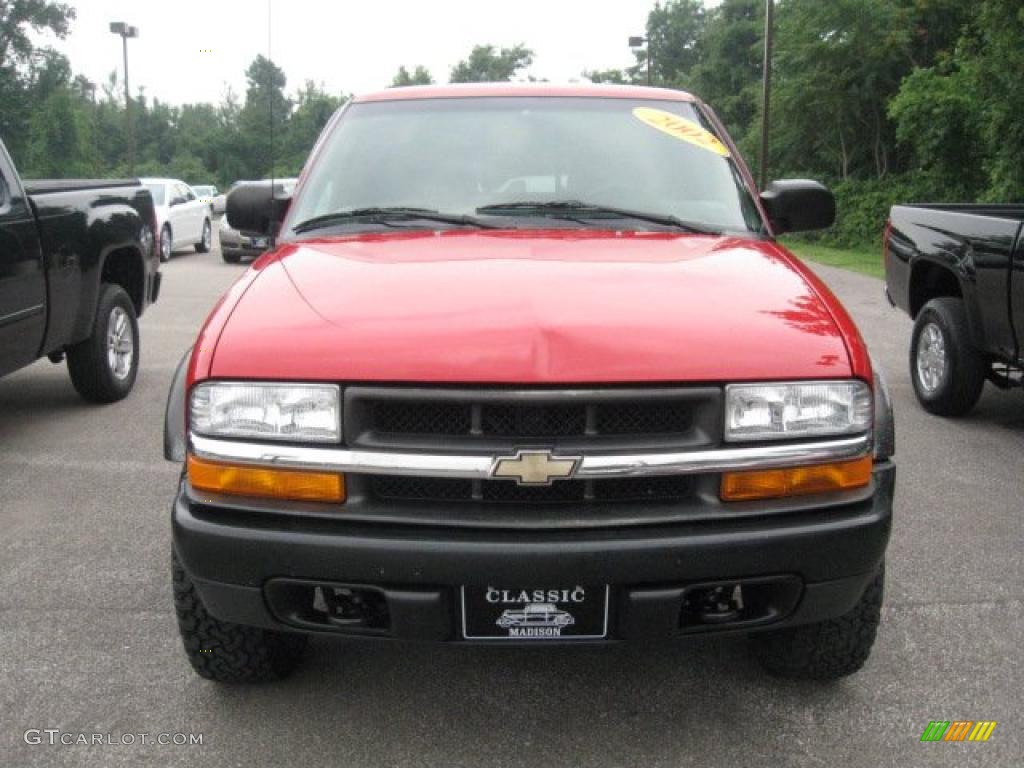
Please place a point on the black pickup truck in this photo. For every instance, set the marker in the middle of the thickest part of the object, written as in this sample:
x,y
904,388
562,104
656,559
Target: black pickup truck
x,y
77,268
958,270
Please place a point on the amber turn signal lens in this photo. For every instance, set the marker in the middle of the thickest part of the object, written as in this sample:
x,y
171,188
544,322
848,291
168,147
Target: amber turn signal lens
x,y
265,482
797,481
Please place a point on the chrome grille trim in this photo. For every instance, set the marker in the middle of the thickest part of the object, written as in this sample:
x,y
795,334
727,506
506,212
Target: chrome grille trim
x,y
478,467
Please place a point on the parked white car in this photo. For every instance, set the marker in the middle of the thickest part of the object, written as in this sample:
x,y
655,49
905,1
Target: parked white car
x,y
182,219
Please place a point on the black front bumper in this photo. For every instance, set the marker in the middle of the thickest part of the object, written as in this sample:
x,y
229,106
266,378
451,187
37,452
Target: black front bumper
x,y
830,554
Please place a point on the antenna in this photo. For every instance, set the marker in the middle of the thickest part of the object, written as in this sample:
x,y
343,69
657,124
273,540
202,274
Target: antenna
x,y
270,95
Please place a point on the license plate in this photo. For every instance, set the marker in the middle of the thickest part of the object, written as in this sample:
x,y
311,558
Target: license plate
x,y
562,613
259,242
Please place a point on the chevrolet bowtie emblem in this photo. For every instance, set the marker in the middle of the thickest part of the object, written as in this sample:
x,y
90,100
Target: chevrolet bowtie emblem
x,y
534,467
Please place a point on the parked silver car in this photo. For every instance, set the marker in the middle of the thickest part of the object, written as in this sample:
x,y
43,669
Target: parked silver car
x,y
209,194
235,245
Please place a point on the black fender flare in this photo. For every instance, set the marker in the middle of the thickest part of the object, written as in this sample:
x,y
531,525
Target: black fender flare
x,y
175,443
885,420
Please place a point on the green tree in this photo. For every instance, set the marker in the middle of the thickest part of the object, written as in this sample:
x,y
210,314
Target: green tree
x,y
60,135
616,76
20,22
961,116
313,108
675,33
487,65
58,141
1000,84
729,72
263,119
231,164
157,137
419,76
836,66
17,17
109,137
937,119
197,128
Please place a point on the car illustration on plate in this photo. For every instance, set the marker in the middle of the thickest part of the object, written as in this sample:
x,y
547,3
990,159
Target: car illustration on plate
x,y
535,615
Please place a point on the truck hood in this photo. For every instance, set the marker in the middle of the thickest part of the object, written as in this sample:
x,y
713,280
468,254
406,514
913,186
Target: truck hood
x,y
532,307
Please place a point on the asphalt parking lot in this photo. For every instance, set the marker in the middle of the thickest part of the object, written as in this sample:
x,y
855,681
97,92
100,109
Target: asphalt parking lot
x,y
88,641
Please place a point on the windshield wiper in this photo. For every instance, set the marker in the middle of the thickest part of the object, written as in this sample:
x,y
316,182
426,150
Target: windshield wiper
x,y
388,216
577,209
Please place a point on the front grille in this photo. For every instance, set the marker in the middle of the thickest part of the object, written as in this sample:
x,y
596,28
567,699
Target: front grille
x,y
392,416
532,421
671,488
500,421
508,492
446,490
520,420
666,417
397,488
400,417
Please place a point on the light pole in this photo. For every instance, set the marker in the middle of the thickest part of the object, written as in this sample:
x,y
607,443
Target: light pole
x,y
769,8
635,42
126,31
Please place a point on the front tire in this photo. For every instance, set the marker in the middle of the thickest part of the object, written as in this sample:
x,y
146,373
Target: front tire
x,y
104,366
825,650
230,258
226,652
947,371
203,246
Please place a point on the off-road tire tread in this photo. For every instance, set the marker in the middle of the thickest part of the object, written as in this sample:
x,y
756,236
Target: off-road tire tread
x,y
825,650
226,652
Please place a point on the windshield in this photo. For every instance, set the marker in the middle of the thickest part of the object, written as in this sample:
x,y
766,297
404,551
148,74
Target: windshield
x,y
157,190
459,155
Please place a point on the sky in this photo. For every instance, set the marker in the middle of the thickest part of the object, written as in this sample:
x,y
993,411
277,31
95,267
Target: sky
x,y
193,50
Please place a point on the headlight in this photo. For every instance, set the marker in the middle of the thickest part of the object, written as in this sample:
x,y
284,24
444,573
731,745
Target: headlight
x,y
795,410
303,413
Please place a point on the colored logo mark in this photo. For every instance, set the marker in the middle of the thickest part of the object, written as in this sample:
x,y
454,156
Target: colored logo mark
x,y
958,730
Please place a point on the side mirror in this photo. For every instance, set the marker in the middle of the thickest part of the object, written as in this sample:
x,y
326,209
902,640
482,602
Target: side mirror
x,y
798,205
253,206
177,201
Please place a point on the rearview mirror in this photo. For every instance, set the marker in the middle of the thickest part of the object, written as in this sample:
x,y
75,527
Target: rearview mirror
x,y
252,206
798,205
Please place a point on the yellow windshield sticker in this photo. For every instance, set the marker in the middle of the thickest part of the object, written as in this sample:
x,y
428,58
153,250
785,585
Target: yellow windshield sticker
x,y
681,128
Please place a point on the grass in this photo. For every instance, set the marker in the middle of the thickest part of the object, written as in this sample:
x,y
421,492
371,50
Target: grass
x,y
866,261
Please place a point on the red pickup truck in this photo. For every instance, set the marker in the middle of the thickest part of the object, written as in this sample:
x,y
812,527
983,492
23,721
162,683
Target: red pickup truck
x,y
523,346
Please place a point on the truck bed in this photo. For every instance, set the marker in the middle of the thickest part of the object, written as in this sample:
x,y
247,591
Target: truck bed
x,y
974,251
1010,212
47,186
